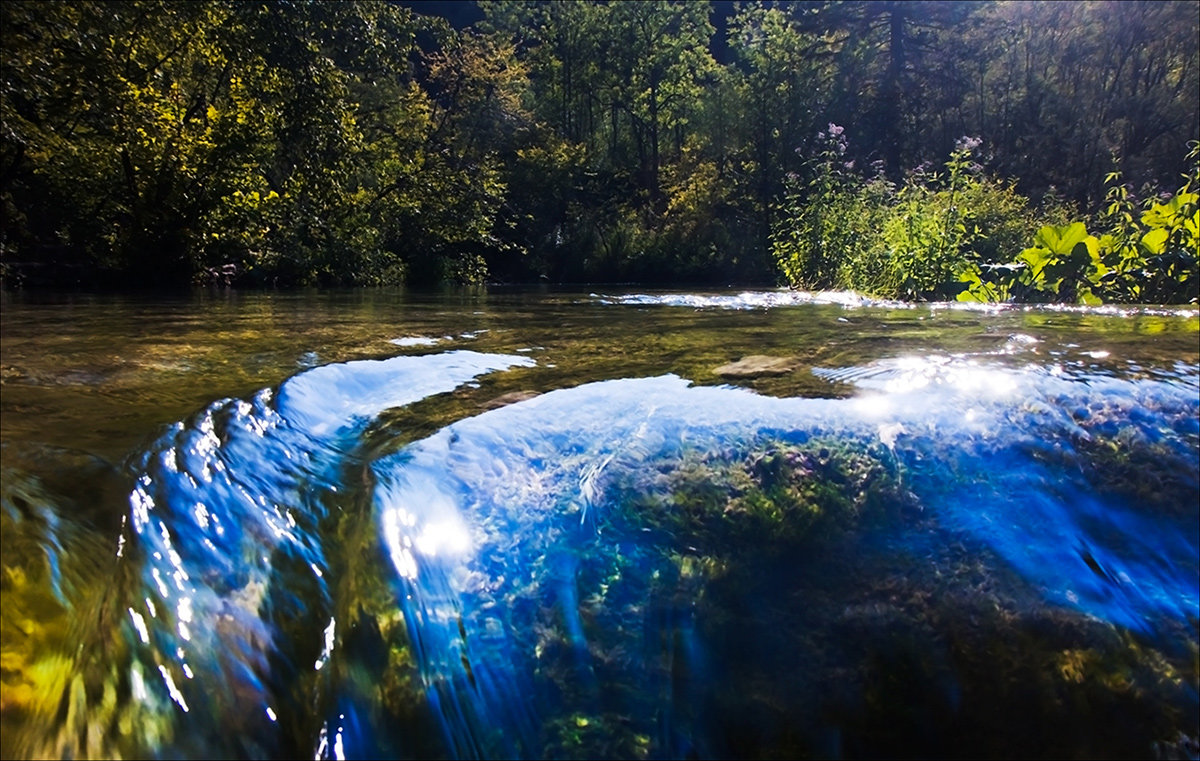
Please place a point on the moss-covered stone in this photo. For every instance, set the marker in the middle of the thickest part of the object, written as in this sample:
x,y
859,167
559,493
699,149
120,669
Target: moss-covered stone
x,y
766,496
756,603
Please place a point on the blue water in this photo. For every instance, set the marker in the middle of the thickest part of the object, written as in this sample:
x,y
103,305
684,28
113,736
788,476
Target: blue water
x,y
520,584
227,498
472,516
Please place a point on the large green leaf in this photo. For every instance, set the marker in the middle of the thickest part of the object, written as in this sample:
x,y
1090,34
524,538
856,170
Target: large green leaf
x,y
974,289
1168,214
1036,257
1061,240
1155,241
1069,267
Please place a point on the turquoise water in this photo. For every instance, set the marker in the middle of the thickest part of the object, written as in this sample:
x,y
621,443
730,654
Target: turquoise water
x,y
557,524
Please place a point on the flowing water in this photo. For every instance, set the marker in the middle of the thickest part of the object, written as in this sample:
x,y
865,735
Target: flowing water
x,y
541,523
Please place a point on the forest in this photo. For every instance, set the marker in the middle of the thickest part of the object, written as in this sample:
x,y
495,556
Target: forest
x,y
989,151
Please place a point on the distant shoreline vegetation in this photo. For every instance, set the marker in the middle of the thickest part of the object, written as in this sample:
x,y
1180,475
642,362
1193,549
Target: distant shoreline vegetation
x,y
989,151
961,234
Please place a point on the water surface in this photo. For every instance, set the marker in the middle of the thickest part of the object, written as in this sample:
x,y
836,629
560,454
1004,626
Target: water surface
x,y
574,524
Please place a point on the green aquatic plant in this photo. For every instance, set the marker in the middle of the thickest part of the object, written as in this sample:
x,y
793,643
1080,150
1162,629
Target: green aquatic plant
x,y
938,658
773,491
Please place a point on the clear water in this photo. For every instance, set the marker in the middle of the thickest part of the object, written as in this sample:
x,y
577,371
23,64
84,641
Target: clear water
x,y
559,524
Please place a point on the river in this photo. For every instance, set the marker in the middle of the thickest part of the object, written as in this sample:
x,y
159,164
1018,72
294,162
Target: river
x,y
610,523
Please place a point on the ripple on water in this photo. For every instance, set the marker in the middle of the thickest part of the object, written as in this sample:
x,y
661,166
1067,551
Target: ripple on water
x,y
854,300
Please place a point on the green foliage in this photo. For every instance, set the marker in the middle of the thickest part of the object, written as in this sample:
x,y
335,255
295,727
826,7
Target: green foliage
x,y
1152,258
1069,68
284,142
927,237
819,212
299,142
914,242
1146,257
1063,260
625,179
960,235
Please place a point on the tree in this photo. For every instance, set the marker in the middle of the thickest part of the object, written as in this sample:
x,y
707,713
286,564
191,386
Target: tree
x,y
1075,83
289,141
784,78
109,147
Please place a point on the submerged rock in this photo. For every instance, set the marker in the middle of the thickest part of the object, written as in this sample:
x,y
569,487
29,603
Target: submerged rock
x,y
512,397
758,366
627,569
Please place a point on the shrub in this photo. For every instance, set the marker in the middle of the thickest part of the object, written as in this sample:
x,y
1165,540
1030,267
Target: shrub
x,y
824,220
915,242
1147,257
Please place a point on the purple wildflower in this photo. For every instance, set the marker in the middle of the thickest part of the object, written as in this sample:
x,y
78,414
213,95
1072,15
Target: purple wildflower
x,y
968,143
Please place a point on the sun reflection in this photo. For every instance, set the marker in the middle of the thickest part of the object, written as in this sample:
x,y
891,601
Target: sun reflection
x,y
402,557
328,650
322,743
447,537
137,682
176,695
142,503
913,373
139,623
408,536
162,586
185,617
201,513
934,373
